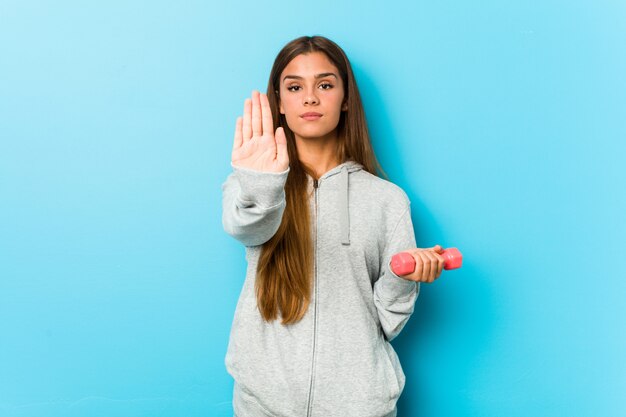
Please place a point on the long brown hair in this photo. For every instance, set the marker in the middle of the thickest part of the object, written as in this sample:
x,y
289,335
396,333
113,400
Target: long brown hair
x,y
285,270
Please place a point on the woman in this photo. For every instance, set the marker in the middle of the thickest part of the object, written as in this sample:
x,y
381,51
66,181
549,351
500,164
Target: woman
x,y
319,305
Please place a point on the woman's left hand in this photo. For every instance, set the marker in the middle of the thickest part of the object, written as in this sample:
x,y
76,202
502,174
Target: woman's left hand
x,y
428,264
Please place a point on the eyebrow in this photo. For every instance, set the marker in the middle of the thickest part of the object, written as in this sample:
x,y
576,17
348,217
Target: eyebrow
x,y
322,75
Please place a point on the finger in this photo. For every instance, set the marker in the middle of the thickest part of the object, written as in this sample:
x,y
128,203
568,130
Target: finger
x,y
426,268
257,128
432,264
247,119
282,154
238,134
419,267
266,115
437,248
440,264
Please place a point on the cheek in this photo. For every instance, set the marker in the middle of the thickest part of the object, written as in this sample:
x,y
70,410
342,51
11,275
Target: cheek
x,y
290,112
337,100
287,107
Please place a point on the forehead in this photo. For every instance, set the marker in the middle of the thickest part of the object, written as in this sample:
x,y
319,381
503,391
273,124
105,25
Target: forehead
x,y
309,64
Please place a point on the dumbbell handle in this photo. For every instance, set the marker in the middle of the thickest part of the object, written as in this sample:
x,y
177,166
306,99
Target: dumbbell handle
x,y
403,263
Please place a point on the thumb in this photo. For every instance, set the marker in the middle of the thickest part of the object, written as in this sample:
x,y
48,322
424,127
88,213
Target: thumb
x,y
437,248
282,154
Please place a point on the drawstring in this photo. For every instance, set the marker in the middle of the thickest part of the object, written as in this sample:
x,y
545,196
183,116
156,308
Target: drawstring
x,y
344,214
343,203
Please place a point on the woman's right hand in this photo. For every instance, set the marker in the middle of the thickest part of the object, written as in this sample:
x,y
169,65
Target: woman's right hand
x,y
428,264
256,145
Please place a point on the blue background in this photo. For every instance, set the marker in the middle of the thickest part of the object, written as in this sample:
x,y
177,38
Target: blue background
x,y
503,121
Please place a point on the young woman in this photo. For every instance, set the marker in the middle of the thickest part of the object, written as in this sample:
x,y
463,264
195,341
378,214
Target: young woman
x,y
319,304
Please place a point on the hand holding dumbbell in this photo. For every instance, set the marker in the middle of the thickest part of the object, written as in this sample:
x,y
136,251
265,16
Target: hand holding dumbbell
x,y
403,263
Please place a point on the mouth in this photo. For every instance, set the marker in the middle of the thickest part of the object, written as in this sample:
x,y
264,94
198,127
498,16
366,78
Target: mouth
x,y
310,116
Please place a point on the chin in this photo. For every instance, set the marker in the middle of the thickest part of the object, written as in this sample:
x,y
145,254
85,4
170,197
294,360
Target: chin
x,y
307,135
312,133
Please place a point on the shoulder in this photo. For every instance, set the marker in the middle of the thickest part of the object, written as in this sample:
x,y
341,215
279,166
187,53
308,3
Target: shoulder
x,y
379,189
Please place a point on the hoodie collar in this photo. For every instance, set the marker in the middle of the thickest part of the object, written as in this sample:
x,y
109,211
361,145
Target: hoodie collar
x,y
349,166
343,170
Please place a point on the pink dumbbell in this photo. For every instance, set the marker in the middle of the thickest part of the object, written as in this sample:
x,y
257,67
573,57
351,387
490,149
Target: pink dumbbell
x,y
403,263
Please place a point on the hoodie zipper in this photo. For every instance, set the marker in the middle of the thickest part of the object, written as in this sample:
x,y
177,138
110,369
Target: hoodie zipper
x,y
308,411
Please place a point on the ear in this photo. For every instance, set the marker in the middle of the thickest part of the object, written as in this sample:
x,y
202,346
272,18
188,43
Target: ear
x,y
344,106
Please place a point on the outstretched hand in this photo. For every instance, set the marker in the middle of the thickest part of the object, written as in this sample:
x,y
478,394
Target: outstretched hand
x,y
256,145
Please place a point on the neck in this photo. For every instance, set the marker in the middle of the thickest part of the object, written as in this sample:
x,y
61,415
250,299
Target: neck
x,y
319,155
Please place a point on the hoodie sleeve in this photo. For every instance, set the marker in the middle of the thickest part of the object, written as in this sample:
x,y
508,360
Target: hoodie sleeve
x,y
253,203
395,297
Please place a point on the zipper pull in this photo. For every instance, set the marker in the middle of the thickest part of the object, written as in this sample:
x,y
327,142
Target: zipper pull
x,y
315,184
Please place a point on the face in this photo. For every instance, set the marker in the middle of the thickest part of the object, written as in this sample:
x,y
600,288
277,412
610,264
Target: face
x,y
311,96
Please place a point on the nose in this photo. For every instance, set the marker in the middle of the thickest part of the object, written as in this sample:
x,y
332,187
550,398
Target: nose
x,y
310,98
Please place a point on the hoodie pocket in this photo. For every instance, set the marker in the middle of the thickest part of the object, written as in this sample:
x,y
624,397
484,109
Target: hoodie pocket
x,y
393,373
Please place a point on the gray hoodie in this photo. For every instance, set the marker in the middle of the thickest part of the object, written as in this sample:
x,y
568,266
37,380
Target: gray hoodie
x,y
337,360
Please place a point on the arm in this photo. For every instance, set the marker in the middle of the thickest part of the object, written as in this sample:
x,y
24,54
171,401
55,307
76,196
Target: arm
x,y
253,196
394,297
253,203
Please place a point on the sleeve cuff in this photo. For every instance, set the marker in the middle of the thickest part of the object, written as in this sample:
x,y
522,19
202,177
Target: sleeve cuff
x,y
393,287
267,189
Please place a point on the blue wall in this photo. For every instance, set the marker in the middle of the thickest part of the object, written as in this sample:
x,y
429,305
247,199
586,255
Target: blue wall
x,y
503,121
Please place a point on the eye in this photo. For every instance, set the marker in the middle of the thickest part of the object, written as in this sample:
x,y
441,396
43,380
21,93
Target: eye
x,y
293,88
326,86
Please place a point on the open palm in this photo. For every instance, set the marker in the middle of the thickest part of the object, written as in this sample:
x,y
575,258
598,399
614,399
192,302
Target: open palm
x,y
256,145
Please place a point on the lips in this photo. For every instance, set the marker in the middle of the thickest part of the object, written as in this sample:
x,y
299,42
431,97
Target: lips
x,y
310,116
